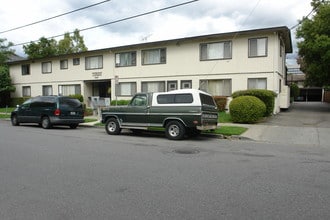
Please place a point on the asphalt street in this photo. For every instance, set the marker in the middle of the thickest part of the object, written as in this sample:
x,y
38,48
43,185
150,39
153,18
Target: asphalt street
x,y
84,173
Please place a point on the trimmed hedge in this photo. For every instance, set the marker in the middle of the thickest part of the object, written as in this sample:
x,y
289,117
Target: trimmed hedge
x,y
120,102
267,96
77,96
246,109
221,102
18,101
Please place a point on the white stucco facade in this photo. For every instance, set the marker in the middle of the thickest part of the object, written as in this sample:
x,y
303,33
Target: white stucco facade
x,y
175,64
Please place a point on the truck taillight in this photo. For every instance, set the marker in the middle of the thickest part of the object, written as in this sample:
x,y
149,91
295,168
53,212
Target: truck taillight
x,y
57,112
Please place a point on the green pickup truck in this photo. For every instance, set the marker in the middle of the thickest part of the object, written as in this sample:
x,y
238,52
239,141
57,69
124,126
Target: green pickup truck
x,y
180,112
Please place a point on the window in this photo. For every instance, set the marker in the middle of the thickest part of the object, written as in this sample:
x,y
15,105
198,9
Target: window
x,y
46,67
47,90
172,85
69,89
153,86
26,69
95,62
257,83
186,84
155,56
126,59
26,91
139,100
76,61
126,89
213,51
174,98
63,64
220,87
258,47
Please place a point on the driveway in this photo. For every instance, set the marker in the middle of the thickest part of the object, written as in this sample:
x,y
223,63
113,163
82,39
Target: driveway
x,y
306,123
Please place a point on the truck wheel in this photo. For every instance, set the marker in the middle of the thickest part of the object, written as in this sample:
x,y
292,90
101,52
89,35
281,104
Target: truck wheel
x,y
175,130
45,122
112,126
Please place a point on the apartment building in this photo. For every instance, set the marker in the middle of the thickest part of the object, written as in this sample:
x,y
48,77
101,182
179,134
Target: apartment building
x,y
218,63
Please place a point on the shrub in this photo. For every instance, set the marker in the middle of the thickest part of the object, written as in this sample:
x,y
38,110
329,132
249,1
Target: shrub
x,y
18,101
221,102
77,96
246,109
120,102
294,90
267,96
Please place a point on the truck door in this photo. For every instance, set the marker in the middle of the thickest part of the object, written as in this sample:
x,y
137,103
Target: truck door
x,y
137,111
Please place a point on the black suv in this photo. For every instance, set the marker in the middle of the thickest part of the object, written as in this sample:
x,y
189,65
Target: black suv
x,y
48,111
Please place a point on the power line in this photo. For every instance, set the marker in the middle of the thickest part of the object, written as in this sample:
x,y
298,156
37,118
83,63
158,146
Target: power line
x,y
120,20
294,26
47,19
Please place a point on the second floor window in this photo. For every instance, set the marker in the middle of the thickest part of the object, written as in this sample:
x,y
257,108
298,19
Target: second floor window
x,y
95,62
126,59
154,56
214,51
46,67
64,64
258,47
26,69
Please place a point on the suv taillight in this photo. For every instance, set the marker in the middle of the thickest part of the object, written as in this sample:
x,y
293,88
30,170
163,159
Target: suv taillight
x,y
57,112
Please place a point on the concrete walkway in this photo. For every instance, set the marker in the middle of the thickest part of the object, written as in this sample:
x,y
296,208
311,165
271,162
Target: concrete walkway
x,y
303,123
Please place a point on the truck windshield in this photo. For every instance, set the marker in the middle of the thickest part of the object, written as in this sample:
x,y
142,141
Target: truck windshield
x,y
206,99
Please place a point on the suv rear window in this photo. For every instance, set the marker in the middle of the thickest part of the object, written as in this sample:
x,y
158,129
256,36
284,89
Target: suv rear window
x,y
174,98
206,99
69,102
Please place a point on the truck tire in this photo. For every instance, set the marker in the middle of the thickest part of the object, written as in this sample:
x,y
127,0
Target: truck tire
x,y
112,126
175,130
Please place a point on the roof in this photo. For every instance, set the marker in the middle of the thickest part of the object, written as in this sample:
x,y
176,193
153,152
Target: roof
x,y
283,31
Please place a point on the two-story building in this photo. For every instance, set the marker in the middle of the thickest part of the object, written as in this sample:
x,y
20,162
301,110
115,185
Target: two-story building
x,y
218,63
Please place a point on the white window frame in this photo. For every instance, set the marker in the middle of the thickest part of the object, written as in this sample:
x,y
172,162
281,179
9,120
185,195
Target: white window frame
x,y
216,51
125,59
46,67
258,47
26,91
217,87
126,89
153,86
94,62
172,85
72,89
154,56
257,83
186,84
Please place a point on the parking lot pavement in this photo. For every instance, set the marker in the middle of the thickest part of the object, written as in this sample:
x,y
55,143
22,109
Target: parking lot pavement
x,y
303,123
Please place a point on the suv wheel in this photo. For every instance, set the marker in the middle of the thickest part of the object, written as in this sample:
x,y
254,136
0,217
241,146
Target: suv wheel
x,y
175,130
45,122
14,120
112,126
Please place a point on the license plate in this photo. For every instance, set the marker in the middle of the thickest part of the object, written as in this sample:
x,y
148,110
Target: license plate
x,y
72,113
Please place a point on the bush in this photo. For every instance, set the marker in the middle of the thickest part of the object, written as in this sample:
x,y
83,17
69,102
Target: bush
x,y
294,90
77,96
246,109
267,96
221,102
120,102
18,101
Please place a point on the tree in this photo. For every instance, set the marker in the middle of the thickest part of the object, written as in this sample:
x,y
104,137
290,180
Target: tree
x,y
5,81
314,45
71,44
50,47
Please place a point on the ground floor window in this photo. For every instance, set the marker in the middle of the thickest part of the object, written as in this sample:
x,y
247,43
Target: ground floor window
x,y
126,89
158,86
69,89
26,91
172,85
47,90
257,83
219,87
186,84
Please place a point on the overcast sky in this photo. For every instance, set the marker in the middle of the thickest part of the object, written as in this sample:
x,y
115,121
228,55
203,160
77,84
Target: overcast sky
x,y
197,18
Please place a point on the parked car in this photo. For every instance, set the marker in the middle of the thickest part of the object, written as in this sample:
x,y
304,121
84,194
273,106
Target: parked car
x,y
48,111
179,112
